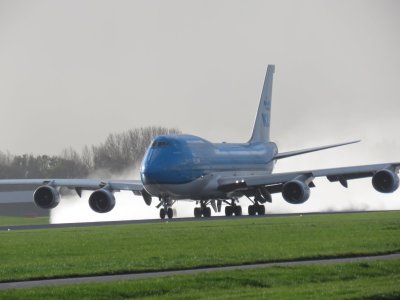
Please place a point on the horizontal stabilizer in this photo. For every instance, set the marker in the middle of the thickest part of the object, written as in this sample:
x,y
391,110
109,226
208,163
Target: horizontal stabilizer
x,y
304,151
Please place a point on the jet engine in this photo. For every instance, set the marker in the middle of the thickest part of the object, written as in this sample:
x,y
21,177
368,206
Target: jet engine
x,y
385,181
295,192
102,201
46,197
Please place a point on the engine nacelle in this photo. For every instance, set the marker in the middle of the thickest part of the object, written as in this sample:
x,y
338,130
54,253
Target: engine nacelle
x,y
46,197
385,181
102,201
295,192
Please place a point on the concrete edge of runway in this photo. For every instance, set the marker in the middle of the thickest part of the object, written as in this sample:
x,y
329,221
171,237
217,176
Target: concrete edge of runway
x,y
158,274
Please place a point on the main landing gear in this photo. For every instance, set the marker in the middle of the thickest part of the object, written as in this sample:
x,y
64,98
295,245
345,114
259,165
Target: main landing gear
x,y
233,209
256,209
200,211
203,210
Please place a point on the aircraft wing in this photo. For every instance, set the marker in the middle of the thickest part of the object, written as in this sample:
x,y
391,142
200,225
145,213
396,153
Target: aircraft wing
x,y
135,186
102,200
274,182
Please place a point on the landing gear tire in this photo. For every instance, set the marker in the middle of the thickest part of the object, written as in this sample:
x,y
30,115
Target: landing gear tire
x,y
170,213
228,211
233,210
252,210
256,209
261,210
237,210
162,213
207,212
197,212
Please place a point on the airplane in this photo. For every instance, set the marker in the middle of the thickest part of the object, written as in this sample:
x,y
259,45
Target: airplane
x,y
187,167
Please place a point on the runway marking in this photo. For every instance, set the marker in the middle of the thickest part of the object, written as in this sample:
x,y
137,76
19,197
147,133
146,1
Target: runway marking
x,y
136,276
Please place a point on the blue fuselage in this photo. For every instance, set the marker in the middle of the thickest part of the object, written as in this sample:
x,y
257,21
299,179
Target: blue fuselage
x,y
180,160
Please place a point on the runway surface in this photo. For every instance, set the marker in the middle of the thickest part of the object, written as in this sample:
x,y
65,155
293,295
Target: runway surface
x,y
156,221
136,276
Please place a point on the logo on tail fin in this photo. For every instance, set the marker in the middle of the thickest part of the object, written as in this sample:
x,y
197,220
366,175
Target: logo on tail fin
x,y
262,123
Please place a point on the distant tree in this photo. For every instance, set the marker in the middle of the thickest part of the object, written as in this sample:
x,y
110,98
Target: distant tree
x,y
5,158
6,169
119,152
72,165
87,158
125,150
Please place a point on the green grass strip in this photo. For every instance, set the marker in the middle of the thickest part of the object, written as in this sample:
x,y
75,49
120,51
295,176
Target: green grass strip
x,y
366,280
14,221
181,245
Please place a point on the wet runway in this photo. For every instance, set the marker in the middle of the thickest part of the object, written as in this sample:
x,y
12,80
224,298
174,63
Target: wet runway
x,y
157,221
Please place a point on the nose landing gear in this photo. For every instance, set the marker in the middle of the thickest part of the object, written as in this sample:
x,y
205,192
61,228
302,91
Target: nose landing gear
x,y
166,210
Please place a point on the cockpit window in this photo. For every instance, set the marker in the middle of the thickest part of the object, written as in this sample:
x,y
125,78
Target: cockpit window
x,y
158,144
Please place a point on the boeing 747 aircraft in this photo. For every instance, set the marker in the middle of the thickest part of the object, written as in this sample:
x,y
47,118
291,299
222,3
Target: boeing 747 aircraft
x,y
186,167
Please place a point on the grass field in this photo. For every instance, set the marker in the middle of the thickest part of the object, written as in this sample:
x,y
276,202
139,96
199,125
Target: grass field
x,y
371,280
12,221
132,248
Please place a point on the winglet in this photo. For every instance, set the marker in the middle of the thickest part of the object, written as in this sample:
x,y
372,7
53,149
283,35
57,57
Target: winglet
x,y
263,118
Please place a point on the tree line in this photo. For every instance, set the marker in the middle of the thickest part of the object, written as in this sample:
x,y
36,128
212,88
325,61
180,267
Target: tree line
x,y
119,153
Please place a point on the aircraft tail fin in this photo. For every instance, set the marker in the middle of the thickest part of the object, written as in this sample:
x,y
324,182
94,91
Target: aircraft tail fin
x,y
262,123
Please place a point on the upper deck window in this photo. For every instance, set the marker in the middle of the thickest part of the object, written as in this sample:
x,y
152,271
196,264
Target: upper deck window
x,y
157,144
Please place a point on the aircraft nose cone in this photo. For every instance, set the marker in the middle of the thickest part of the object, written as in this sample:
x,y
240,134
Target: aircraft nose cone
x,y
151,174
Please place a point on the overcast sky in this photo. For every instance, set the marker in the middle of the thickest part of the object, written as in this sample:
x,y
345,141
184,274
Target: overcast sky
x,y
73,71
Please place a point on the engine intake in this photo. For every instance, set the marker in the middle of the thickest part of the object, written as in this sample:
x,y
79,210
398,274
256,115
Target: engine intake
x,y
102,201
46,197
385,181
295,192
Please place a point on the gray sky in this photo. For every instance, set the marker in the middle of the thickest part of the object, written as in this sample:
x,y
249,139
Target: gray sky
x,y
73,71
